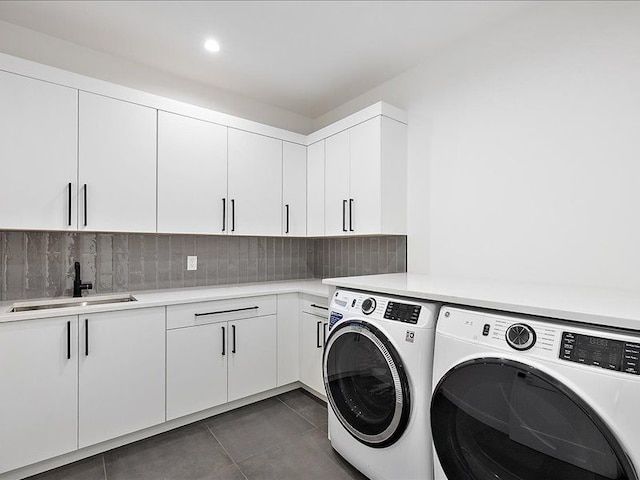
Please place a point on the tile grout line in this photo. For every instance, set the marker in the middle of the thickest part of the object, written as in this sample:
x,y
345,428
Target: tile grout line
x,y
224,449
300,415
104,466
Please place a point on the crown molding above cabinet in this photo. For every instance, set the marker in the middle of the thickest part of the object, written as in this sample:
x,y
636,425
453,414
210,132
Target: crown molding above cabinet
x,y
88,155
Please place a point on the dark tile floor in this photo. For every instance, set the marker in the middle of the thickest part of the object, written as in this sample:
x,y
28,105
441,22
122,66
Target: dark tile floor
x,y
281,438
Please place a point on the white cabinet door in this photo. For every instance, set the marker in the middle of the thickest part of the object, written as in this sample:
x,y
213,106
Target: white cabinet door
x,y
312,338
365,201
288,338
192,175
121,373
38,154
315,189
255,184
294,189
252,356
196,368
39,399
117,165
336,184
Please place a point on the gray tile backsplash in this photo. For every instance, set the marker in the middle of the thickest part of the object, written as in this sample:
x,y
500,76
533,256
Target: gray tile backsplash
x,y
40,264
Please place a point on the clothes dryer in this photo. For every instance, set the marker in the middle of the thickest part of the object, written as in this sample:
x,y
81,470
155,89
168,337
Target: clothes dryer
x,y
519,398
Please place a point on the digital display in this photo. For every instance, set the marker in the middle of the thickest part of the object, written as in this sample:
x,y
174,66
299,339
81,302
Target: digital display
x,y
600,352
403,312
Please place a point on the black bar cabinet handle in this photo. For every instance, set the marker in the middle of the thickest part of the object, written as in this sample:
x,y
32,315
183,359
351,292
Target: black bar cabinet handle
x,y
318,335
319,306
233,332
224,337
227,311
86,337
324,334
69,206
344,206
287,207
224,214
233,214
68,340
351,214
85,204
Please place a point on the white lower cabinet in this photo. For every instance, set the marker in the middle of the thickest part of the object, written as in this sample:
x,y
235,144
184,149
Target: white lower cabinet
x,y
39,390
313,336
219,351
288,338
121,373
311,346
196,368
252,356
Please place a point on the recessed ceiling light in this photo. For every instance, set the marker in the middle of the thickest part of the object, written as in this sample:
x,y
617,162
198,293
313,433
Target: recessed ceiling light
x,y
212,45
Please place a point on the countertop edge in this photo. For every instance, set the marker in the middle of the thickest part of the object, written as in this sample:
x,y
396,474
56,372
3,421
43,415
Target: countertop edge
x,y
161,298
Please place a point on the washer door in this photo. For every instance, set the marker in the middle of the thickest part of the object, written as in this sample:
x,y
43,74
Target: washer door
x,y
366,384
500,419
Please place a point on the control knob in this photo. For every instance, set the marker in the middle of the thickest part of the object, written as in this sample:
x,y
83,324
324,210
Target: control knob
x,y
368,306
520,336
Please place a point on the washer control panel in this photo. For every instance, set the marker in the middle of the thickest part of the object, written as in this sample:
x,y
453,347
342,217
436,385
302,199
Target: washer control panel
x,y
601,352
402,312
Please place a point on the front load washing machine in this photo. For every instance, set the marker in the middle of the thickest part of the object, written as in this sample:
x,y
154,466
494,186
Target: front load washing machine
x,y
521,398
377,374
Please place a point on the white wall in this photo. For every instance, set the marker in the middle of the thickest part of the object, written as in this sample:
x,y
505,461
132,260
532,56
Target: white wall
x,y
525,149
31,45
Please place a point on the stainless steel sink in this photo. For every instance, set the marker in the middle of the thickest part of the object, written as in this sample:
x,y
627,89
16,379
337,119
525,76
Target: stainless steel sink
x,y
71,302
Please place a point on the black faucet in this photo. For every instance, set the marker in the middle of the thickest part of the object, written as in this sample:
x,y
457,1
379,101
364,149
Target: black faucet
x,y
78,286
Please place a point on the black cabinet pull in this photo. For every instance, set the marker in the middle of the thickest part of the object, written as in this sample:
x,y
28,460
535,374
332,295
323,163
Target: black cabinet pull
x,y
68,340
227,311
318,335
324,334
344,207
351,214
86,337
233,333
224,214
69,206
287,207
85,204
224,351
319,306
233,214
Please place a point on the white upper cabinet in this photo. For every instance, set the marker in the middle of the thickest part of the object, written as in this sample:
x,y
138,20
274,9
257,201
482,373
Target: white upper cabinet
x,y
336,184
366,169
315,189
117,165
38,154
255,184
192,175
364,209
294,189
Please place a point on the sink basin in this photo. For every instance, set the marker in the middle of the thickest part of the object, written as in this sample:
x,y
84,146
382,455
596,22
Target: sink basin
x,y
70,302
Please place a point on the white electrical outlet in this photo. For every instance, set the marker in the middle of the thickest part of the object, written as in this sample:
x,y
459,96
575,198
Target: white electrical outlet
x,y
192,262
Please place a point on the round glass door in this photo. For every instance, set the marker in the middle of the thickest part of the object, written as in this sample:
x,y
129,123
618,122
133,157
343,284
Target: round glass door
x,y
366,384
500,419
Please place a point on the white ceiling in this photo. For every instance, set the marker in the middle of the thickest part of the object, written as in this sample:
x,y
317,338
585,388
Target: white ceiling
x,y
307,57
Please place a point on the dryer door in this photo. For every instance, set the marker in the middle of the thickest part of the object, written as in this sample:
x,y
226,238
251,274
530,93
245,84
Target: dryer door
x,y
500,419
366,384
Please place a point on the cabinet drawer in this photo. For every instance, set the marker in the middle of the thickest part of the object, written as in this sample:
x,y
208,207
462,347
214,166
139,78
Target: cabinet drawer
x,y
219,311
315,305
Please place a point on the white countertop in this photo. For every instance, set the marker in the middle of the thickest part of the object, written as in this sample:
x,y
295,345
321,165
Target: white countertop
x,y
616,308
157,298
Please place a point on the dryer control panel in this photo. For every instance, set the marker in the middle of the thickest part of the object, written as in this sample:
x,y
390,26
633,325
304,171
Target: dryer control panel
x,y
601,352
